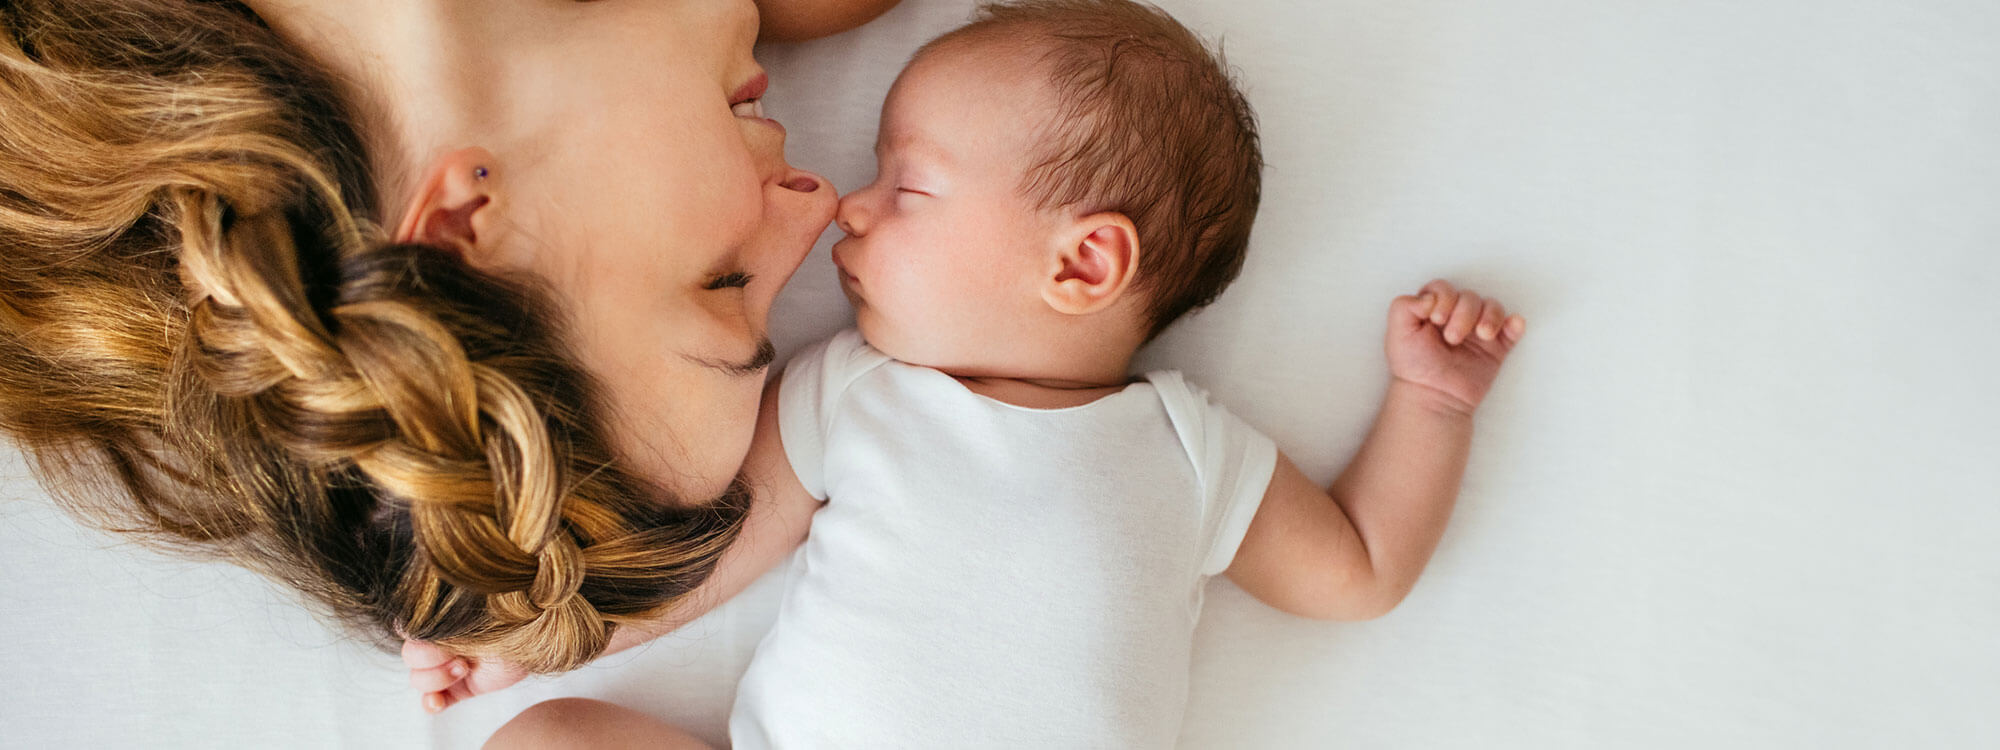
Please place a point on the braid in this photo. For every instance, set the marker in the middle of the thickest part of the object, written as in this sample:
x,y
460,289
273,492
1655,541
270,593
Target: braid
x,y
204,341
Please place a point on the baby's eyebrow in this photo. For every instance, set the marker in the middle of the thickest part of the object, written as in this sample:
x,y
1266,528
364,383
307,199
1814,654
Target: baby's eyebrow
x,y
766,354
914,143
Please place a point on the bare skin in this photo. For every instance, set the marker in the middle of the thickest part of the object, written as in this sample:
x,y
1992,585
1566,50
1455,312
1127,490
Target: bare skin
x,y
496,131
587,724
800,20
557,101
1047,322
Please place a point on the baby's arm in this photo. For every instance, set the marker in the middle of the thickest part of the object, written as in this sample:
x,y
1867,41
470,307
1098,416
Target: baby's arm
x,y
1353,551
776,525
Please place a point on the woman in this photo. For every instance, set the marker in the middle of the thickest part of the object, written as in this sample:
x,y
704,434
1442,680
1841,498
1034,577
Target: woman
x,y
449,314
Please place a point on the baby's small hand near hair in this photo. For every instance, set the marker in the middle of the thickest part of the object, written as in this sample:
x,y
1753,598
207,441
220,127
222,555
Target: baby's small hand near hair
x,y
442,679
1451,342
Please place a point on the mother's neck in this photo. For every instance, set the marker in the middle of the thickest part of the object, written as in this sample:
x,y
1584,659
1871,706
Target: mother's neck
x,y
419,75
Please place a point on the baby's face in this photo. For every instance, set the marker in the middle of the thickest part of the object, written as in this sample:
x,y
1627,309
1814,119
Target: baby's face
x,y
943,257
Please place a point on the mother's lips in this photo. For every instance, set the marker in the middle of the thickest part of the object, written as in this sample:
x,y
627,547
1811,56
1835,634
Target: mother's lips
x,y
751,89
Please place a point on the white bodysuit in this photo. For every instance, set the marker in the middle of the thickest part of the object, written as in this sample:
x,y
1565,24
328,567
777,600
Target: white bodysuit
x,y
987,575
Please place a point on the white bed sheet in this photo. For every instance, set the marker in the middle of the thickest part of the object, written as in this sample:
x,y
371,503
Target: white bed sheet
x,y
1736,488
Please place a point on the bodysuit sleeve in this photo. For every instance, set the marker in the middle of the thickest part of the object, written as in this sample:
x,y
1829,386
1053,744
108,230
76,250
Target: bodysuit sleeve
x,y
1246,460
1234,462
809,400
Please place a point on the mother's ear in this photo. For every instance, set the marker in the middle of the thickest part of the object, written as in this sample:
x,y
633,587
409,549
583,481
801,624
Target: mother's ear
x,y
447,208
1095,259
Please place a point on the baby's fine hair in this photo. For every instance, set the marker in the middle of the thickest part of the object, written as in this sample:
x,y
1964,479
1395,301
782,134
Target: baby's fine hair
x,y
1149,124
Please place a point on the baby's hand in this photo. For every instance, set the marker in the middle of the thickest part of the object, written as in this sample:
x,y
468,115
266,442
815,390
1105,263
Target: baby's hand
x,y
442,679
1450,341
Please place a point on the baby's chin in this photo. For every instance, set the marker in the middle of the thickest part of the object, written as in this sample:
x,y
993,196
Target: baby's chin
x,y
869,325
889,340
873,331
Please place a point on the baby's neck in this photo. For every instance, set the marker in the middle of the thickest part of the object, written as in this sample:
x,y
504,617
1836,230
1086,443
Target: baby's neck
x,y
1050,362
1039,394
1075,384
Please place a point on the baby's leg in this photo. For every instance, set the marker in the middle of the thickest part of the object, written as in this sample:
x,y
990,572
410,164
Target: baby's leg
x,y
585,723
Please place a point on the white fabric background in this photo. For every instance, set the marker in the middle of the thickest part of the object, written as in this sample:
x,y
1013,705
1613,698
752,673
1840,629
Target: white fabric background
x,y
1734,490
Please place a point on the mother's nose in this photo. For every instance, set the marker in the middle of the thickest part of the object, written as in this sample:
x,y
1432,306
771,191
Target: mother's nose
x,y
798,204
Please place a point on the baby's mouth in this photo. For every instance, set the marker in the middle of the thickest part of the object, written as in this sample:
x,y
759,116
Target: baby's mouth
x,y
842,269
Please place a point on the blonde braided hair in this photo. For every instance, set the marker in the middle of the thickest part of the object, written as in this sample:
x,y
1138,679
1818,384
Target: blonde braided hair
x,y
204,341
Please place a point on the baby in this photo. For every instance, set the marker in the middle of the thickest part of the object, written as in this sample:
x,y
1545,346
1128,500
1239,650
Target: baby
x,y
1009,533
1015,531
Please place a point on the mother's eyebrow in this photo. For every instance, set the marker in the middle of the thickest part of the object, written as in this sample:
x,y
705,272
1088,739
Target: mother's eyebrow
x,y
766,354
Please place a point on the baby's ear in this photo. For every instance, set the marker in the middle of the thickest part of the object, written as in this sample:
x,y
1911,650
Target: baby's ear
x,y
1095,258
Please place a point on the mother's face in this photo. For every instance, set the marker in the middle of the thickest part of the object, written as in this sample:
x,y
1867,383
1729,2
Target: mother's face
x,y
657,204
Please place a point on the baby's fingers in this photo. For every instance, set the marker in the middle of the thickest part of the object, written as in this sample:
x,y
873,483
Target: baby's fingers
x,y
423,655
1446,297
1464,316
1490,318
437,678
1411,310
439,701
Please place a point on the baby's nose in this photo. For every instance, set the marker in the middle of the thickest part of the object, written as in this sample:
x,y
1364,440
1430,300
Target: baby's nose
x,y
852,214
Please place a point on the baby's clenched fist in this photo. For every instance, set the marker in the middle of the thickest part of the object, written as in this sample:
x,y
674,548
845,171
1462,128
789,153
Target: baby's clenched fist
x,y
1450,341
